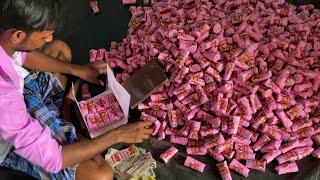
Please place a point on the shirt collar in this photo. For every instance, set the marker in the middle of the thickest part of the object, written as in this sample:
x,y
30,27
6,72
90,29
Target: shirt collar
x,y
6,63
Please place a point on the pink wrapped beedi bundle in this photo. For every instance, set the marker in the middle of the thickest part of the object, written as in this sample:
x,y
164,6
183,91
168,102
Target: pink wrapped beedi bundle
x,y
286,168
85,91
239,168
168,154
316,153
257,165
94,6
125,2
194,164
224,170
196,151
93,55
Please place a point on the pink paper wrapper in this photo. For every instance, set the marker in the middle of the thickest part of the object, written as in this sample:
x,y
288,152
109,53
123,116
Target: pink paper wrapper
x,y
194,164
168,154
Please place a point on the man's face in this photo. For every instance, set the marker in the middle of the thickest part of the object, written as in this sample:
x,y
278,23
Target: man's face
x,y
34,40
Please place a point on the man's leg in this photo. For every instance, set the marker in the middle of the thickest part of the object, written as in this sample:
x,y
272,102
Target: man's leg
x,y
95,168
60,50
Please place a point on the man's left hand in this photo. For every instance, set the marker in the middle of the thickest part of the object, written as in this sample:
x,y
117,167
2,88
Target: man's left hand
x,y
90,72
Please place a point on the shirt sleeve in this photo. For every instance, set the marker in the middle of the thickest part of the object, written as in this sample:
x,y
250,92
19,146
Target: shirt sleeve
x,y
30,139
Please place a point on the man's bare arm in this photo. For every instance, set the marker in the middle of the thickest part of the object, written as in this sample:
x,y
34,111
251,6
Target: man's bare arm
x,y
86,149
41,62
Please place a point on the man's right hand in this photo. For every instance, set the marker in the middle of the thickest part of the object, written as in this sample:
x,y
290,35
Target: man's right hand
x,y
133,133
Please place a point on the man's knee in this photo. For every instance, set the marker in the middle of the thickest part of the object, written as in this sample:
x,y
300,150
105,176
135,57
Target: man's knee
x,y
104,172
60,49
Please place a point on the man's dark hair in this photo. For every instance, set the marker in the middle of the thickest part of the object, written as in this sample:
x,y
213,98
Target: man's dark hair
x,y
30,15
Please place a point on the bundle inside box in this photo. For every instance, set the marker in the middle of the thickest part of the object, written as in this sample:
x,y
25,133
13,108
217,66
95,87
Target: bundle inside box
x,y
107,110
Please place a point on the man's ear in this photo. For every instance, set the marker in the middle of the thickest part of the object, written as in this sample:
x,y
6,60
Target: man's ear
x,y
18,36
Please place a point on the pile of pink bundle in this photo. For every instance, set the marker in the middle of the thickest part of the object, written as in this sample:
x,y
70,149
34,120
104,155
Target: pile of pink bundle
x,y
244,79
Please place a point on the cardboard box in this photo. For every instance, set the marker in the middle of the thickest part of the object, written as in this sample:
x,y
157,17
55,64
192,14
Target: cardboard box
x,y
123,98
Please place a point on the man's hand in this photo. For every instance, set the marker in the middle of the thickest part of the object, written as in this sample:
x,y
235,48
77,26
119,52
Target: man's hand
x,y
90,72
133,133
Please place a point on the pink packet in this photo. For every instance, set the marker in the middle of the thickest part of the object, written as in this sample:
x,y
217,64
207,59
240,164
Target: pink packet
x,y
239,168
157,113
162,131
188,46
271,146
212,56
215,140
302,87
225,146
271,155
178,140
209,132
94,6
197,151
233,125
228,154
270,84
257,165
156,127
194,164
300,124
240,140
84,108
264,139
101,54
195,68
243,147
303,133
255,103
224,170
218,157
286,168
93,55
245,155
303,152
125,2
281,79
316,153
194,131
91,107
85,91
159,96
214,73
168,154
182,58
244,133
271,132
184,131
288,156
173,119
245,75
316,139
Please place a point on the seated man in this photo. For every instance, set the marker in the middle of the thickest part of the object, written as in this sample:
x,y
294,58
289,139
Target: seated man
x,y
33,136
